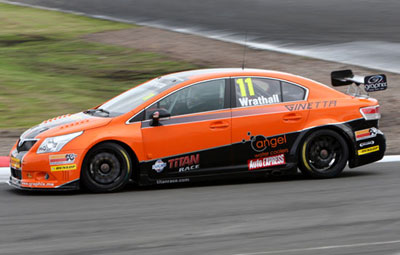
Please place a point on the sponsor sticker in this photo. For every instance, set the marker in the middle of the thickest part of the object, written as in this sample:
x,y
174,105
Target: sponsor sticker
x,y
37,184
18,182
368,150
63,168
62,159
375,83
311,105
185,163
159,166
15,163
261,100
170,181
366,133
266,162
271,153
367,143
260,143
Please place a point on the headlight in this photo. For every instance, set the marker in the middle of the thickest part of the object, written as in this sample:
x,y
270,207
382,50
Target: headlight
x,y
55,144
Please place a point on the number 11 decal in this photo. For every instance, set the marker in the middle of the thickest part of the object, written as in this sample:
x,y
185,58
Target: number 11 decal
x,y
242,86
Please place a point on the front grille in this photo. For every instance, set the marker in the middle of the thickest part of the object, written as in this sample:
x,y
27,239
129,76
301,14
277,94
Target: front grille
x,y
16,173
25,145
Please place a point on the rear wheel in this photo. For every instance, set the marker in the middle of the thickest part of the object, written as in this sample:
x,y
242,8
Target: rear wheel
x,y
106,168
324,154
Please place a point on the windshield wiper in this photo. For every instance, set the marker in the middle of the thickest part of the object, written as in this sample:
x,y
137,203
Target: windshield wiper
x,y
92,111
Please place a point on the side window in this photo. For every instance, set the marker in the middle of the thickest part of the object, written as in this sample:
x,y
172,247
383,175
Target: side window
x,y
257,91
201,97
292,92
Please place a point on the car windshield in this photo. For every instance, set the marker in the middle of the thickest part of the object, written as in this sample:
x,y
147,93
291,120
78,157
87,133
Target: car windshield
x,y
132,98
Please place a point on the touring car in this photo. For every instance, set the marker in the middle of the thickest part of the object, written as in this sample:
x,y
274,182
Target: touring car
x,y
204,124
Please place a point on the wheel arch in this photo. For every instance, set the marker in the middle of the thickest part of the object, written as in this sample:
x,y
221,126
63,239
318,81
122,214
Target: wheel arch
x,y
135,162
342,129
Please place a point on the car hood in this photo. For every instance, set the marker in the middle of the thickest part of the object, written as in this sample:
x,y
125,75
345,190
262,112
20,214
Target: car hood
x,y
64,125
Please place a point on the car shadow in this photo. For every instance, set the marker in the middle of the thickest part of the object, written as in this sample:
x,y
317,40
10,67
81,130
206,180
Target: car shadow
x,y
246,180
222,182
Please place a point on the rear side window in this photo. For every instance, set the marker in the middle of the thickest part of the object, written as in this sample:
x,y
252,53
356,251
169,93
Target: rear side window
x,y
291,92
257,91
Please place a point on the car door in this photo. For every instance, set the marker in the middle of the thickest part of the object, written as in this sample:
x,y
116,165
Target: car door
x,y
264,126
196,138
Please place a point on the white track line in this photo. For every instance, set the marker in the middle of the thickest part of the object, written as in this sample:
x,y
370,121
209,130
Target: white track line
x,y
391,158
5,171
386,159
4,174
321,248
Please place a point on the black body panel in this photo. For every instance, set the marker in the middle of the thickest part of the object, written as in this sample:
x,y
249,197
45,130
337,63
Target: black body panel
x,y
194,166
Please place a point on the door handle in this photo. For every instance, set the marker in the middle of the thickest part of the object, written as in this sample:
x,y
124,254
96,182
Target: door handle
x,y
292,117
219,125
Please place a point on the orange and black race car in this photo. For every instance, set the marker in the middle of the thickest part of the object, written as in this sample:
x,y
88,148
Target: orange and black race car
x,y
203,124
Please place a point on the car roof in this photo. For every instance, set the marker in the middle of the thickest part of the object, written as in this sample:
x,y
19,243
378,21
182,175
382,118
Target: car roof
x,y
320,89
220,72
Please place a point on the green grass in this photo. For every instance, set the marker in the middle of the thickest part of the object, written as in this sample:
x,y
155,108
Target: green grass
x,y
46,69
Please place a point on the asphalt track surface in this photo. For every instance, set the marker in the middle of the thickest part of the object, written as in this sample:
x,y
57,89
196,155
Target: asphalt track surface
x,y
361,32
357,213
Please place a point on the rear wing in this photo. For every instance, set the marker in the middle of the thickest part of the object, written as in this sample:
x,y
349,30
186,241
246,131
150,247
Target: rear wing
x,y
371,83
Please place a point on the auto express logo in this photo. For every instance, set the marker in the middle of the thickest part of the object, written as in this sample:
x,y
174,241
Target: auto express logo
x,y
375,83
260,143
159,166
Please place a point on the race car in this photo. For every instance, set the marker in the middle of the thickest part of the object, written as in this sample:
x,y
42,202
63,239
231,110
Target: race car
x,y
204,124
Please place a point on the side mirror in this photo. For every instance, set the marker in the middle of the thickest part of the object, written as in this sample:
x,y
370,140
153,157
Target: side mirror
x,y
157,114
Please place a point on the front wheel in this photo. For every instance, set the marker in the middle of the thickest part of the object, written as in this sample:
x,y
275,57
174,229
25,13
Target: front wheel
x,y
323,154
106,168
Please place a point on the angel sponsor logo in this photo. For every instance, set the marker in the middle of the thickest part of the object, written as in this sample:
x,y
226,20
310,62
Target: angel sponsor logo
x,y
311,105
367,143
368,150
266,162
62,159
185,163
261,100
271,153
366,133
260,143
159,166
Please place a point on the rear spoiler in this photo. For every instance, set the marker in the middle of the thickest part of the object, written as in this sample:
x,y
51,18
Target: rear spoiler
x,y
371,83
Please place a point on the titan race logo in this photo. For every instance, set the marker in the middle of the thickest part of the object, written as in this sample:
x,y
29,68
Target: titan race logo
x,y
185,163
260,143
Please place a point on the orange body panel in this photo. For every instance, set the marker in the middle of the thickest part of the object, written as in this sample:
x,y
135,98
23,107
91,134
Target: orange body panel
x,y
323,106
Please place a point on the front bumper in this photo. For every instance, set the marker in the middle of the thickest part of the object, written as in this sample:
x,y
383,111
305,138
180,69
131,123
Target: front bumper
x,y
22,185
32,171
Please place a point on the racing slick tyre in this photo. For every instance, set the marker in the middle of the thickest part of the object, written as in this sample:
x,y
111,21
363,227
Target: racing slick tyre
x,y
106,168
323,154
